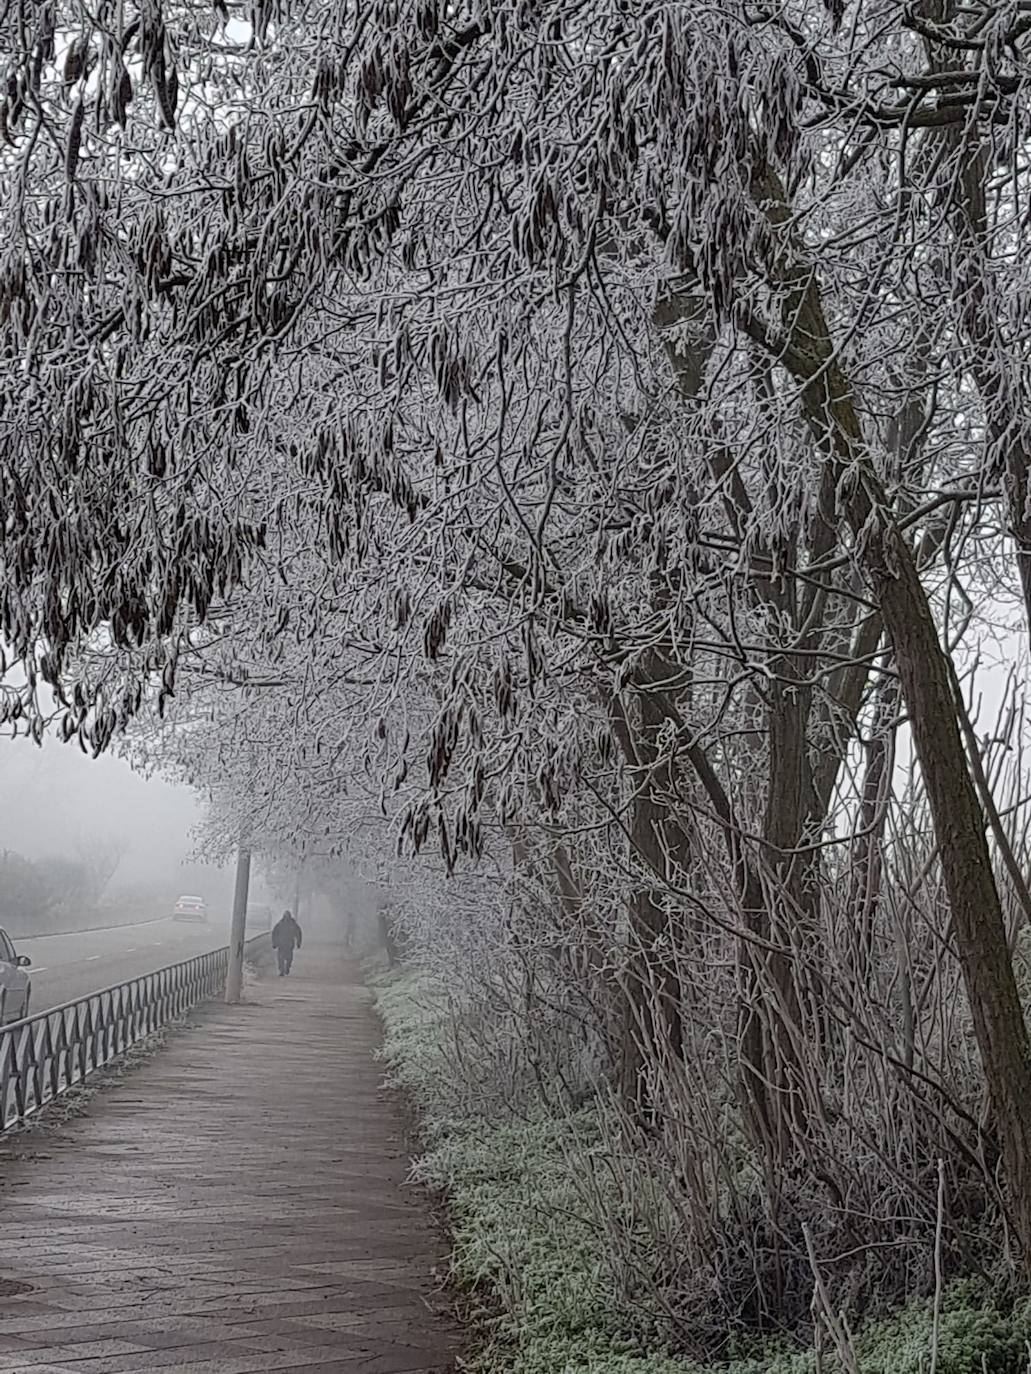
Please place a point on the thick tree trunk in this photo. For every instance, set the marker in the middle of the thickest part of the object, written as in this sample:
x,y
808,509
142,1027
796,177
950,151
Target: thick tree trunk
x,y
866,867
977,916
653,1030
652,1025
767,1044
969,272
765,1021
924,671
585,955
790,916
523,866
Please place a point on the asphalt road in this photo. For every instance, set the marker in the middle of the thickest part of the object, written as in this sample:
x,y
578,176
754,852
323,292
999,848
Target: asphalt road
x,y
68,966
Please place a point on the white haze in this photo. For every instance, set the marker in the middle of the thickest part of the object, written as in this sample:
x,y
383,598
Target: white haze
x,y
55,800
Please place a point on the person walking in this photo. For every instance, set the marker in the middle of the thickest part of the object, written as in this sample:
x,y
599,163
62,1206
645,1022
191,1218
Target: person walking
x,y
286,936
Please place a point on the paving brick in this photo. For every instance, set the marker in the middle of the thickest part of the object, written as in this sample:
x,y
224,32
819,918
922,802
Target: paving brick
x,y
236,1204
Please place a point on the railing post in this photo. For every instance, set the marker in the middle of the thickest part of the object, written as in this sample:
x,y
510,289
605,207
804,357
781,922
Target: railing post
x,y
6,1061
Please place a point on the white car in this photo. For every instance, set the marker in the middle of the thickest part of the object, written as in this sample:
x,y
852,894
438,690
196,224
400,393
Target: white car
x,y
190,909
15,987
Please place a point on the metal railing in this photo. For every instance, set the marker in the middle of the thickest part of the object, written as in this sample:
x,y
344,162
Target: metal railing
x,y
44,1055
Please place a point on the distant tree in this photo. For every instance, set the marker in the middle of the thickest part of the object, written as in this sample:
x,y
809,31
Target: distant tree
x,y
69,884
100,858
25,894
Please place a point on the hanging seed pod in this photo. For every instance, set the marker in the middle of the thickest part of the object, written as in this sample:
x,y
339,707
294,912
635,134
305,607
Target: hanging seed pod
x,y
504,695
41,49
15,103
71,160
158,460
166,88
74,61
121,94
604,745
129,34
45,33
600,614
436,630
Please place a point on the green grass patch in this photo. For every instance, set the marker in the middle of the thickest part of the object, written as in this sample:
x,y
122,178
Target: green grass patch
x,y
544,1286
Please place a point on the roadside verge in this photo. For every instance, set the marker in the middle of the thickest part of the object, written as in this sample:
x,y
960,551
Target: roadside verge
x,y
553,1224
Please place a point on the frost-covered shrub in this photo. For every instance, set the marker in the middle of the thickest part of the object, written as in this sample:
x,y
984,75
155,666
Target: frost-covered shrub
x,y
414,1045
524,1243
550,1291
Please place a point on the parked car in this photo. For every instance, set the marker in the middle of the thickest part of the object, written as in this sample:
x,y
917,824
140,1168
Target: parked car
x,y
190,909
259,919
15,986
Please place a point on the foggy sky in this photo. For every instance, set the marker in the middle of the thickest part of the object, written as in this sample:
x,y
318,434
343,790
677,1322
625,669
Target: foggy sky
x,y
54,799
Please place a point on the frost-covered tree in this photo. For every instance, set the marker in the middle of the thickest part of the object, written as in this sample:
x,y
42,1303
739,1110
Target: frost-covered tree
x,y
624,400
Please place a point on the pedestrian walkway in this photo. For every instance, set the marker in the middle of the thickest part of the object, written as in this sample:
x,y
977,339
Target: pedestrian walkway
x,y
234,1204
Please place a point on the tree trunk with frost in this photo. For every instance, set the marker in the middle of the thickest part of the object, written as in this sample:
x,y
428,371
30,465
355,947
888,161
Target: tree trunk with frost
x,y
866,861
652,1027
924,670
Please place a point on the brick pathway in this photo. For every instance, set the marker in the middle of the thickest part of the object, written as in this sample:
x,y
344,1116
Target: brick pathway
x,y
232,1205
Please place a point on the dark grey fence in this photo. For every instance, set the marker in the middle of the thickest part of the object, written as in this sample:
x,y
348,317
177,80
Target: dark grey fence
x,y
45,1054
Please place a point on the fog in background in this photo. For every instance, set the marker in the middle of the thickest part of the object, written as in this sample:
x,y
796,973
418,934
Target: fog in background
x,y
57,801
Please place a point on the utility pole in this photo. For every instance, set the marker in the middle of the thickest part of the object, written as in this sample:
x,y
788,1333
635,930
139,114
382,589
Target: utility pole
x,y
297,890
238,932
